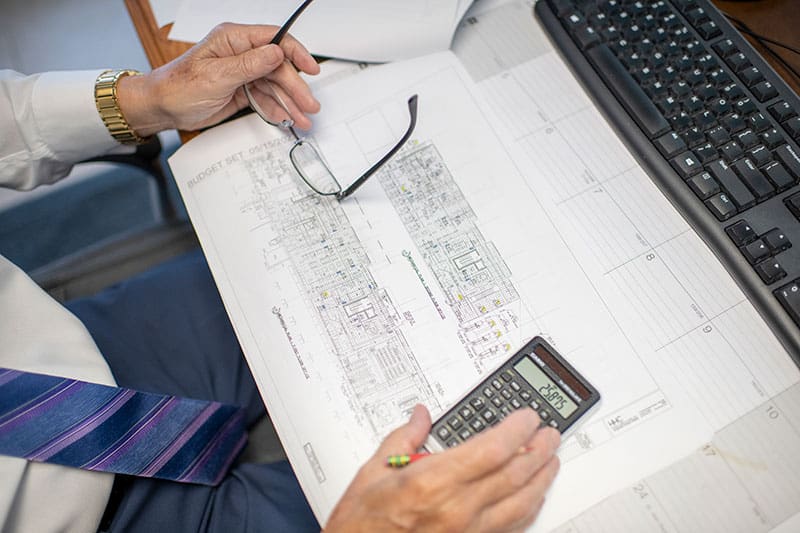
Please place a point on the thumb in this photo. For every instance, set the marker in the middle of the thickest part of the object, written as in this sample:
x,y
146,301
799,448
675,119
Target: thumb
x,y
252,64
409,437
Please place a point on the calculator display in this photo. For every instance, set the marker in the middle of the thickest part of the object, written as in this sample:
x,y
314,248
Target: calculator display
x,y
550,392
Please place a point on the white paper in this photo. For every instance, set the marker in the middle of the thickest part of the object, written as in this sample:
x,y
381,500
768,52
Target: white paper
x,y
514,210
359,30
165,11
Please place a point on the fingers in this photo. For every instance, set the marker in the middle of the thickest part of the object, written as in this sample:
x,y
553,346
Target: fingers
x,y
277,105
249,65
293,85
299,55
518,471
409,437
491,450
230,39
520,509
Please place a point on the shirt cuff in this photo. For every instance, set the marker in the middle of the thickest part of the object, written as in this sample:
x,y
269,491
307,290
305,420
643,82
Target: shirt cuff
x,y
64,109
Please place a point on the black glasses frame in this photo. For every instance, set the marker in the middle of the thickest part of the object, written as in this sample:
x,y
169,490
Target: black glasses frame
x,y
288,125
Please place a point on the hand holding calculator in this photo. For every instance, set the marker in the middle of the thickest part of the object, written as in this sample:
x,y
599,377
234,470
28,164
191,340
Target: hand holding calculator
x,y
535,377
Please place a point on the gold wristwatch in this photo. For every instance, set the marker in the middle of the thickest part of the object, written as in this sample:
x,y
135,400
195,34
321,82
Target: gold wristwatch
x,y
105,96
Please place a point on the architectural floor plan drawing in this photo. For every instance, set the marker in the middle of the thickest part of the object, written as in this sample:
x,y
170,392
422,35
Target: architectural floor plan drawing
x,y
354,316
468,269
513,211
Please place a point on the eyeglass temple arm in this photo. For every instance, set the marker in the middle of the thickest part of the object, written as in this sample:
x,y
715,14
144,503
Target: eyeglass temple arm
x,y
412,111
288,24
276,39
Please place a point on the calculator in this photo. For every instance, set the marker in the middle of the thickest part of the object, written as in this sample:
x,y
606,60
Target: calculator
x,y
536,377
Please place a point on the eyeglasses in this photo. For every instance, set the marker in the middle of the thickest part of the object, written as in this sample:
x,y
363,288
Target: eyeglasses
x,y
305,157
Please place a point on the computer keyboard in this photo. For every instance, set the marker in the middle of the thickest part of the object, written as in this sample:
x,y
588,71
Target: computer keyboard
x,y
710,121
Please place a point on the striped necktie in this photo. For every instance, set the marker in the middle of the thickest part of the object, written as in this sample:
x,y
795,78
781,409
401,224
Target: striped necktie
x,y
111,429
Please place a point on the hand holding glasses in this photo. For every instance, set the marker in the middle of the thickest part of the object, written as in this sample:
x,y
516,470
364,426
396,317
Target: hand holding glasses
x,y
305,158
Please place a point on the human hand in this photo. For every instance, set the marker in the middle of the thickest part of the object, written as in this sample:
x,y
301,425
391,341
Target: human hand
x,y
204,85
494,482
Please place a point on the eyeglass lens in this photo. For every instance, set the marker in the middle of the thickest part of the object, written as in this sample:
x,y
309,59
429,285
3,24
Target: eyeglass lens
x,y
311,167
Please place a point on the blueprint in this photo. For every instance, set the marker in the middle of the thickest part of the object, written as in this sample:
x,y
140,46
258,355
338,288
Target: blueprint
x,y
513,211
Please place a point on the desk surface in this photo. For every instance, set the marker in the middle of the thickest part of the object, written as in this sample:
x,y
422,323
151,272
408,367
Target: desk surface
x,y
776,19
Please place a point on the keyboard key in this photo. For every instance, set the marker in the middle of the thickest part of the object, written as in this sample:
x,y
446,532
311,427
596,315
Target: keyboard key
x,y
760,155
793,203
741,233
745,106
731,151
686,164
792,127
734,122
721,206
747,139
718,135
770,271
789,297
754,179
561,7
759,122
776,240
703,185
732,91
737,61
756,251
782,111
772,138
778,175
787,155
725,48
586,37
694,136
751,75
709,30
726,177
705,153
670,144
764,91
628,91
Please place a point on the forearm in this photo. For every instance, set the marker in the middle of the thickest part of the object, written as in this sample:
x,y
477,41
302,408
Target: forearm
x,y
49,122
140,104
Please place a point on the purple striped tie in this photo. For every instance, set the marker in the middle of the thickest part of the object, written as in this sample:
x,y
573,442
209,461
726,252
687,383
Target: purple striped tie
x,y
111,429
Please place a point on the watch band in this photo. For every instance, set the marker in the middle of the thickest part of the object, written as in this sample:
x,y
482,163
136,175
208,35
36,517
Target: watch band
x,y
105,97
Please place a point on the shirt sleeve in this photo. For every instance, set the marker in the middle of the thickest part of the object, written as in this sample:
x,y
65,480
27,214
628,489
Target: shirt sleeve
x,y
49,122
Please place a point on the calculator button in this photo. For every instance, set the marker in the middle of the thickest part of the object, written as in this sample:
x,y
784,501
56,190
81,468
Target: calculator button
x,y
506,394
496,384
497,401
515,386
544,415
505,410
525,395
477,403
465,434
534,405
489,415
507,376
553,424
452,443
488,392
465,412
443,433
515,403
454,422
477,425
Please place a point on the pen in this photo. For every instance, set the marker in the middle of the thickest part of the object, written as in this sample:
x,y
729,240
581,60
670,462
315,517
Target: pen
x,y
399,461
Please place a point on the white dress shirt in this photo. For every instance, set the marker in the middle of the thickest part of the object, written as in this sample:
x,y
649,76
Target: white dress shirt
x,y
47,123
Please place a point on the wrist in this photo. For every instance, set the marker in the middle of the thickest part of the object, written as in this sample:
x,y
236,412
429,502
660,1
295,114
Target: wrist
x,y
139,102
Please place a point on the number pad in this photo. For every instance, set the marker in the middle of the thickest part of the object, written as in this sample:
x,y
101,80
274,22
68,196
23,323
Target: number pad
x,y
505,393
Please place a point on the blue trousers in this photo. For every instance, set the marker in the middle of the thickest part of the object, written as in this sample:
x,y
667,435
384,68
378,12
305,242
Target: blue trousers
x,y
166,331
